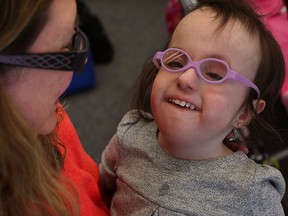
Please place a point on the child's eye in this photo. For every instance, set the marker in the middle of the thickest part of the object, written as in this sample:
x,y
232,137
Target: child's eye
x,y
213,70
174,64
212,76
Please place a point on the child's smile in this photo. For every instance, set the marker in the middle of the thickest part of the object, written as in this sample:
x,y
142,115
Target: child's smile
x,y
183,104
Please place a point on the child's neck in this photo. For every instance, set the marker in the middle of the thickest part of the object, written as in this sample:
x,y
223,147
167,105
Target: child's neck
x,y
196,152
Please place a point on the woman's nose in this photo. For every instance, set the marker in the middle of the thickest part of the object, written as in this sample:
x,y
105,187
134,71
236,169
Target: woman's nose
x,y
188,79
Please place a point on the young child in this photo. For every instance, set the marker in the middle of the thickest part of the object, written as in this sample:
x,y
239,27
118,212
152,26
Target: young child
x,y
222,72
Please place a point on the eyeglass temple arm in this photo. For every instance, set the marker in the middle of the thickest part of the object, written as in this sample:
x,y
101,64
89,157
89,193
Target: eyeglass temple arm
x,y
44,61
247,82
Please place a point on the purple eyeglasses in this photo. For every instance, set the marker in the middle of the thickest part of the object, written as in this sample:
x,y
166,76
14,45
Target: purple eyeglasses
x,y
211,70
72,60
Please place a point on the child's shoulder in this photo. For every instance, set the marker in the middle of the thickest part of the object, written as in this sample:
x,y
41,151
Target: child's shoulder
x,y
268,175
134,116
266,190
136,122
262,178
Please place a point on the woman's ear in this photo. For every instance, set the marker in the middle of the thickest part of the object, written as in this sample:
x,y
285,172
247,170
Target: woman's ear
x,y
244,116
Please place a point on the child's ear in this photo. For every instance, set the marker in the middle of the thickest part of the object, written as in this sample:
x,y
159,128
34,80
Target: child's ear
x,y
244,116
259,105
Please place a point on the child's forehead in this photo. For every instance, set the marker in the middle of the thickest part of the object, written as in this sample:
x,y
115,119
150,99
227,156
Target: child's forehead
x,y
201,35
205,14
218,25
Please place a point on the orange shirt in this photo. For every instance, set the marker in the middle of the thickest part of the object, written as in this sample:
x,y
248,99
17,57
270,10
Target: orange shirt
x,y
81,170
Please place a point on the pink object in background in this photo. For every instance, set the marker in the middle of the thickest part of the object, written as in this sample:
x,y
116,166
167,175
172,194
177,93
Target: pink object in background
x,y
276,19
174,14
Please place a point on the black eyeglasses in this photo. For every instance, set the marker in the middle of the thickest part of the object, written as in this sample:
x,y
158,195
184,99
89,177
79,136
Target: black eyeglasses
x,y
73,60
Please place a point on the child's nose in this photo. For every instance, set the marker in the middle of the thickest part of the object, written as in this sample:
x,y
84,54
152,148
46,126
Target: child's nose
x,y
188,79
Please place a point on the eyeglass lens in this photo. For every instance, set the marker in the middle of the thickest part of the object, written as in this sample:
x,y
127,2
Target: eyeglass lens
x,y
211,70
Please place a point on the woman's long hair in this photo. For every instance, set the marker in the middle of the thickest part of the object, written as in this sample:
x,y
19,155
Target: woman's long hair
x,y
30,178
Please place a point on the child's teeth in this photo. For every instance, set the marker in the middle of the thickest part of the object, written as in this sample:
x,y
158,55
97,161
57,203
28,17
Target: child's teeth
x,y
192,107
182,103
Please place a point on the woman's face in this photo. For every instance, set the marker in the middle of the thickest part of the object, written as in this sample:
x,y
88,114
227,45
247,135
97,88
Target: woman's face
x,y
35,92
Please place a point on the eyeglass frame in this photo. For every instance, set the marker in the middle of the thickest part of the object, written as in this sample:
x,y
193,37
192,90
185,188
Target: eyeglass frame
x,y
73,60
159,55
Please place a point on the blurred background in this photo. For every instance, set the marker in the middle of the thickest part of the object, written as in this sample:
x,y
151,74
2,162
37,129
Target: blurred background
x,y
135,31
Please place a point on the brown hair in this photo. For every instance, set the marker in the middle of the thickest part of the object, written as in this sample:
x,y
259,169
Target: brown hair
x,y
269,76
30,178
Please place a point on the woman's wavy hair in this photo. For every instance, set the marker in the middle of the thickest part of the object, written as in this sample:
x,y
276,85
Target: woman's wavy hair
x,y
30,178
269,76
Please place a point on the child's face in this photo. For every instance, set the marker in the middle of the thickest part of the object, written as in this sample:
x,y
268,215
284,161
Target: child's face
x,y
183,131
